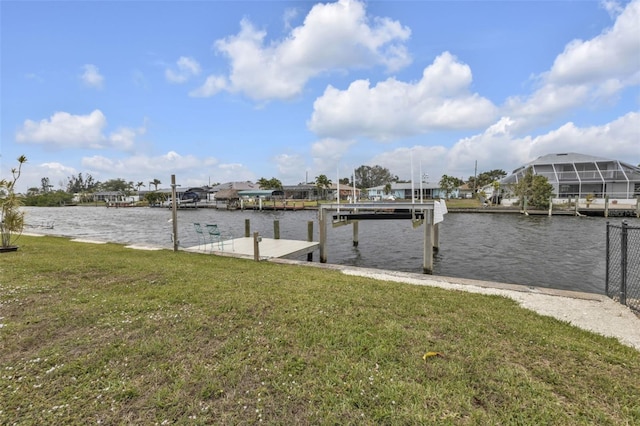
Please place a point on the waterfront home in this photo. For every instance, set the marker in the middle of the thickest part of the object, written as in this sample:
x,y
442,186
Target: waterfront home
x,y
578,175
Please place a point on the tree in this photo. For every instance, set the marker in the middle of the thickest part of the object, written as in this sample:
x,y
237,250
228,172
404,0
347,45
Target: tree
x,y
49,199
80,184
155,198
116,185
535,188
11,218
387,189
45,184
155,183
485,178
368,177
449,183
272,183
323,183
139,185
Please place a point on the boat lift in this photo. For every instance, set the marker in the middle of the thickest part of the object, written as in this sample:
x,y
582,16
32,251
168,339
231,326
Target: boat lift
x,y
429,213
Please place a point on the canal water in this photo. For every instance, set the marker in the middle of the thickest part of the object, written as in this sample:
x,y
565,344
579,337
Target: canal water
x,y
561,252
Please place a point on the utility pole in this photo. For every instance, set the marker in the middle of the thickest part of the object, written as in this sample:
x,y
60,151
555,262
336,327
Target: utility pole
x,y
475,178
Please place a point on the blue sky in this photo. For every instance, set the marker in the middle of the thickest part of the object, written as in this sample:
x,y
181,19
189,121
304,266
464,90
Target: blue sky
x,y
217,91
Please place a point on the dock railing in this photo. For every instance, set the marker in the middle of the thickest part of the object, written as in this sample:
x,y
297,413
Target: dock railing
x,y
623,264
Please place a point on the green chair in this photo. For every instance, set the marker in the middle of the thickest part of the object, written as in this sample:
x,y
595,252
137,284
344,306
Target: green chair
x,y
215,237
202,240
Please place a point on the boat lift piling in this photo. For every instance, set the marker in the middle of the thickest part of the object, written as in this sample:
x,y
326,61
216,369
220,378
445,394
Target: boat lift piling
x,y
428,213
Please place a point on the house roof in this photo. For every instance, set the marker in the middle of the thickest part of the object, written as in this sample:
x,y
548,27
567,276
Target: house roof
x,y
227,194
569,157
238,186
407,185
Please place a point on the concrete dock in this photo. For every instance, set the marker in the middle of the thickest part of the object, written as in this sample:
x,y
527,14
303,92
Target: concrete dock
x,y
269,248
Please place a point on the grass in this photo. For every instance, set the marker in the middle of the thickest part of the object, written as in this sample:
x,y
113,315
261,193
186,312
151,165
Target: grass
x,y
104,334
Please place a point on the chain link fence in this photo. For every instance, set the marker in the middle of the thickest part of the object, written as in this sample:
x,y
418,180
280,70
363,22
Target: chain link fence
x,y
623,264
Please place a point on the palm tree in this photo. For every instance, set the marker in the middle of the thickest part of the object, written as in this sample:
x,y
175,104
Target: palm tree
x,y
155,183
323,183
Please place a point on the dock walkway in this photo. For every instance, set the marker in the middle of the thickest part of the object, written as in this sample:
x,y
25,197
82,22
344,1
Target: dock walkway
x,y
268,248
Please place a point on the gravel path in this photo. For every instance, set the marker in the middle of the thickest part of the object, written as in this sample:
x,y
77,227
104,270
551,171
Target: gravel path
x,y
593,312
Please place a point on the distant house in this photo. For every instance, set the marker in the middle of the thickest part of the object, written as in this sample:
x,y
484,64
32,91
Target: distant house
x,y
579,175
403,190
303,191
109,196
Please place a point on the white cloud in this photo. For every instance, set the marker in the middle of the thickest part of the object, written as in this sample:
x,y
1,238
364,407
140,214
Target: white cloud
x,y
613,53
499,147
290,167
586,72
327,153
187,68
92,77
441,100
145,166
63,130
431,159
333,36
211,86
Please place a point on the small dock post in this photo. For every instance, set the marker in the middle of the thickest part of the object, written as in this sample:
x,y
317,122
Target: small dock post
x,y
276,229
606,206
355,233
322,222
256,247
247,228
576,206
174,213
427,263
310,239
436,237
550,206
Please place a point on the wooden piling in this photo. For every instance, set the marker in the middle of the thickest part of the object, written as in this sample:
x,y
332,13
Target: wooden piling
x,y
355,233
436,237
322,223
174,212
576,206
310,239
276,229
247,228
606,206
427,261
256,247
550,206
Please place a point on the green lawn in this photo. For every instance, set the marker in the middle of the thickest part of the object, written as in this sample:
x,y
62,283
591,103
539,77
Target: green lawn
x,y
103,334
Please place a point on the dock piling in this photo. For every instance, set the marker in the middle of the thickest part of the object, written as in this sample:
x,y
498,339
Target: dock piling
x,y
276,229
355,233
427,267
310,238
256,247
247,228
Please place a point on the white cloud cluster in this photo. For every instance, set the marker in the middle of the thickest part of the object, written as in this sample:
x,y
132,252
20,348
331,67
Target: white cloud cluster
x,y
64,130
91,77
333,36
145,165
186,68
586,72
441,100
